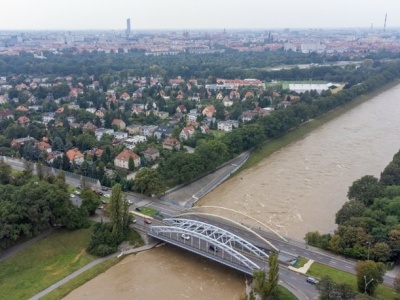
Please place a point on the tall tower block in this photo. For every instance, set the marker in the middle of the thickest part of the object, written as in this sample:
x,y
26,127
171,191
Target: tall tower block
x,y
128,26
384,25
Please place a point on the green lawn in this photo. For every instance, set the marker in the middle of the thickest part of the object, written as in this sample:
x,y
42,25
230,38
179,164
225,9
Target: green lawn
x,y
44,263
284,294
148,211
301,262
318,270
71,285
217,133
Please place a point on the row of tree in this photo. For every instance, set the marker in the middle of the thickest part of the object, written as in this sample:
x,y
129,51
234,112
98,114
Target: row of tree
x,y
28,206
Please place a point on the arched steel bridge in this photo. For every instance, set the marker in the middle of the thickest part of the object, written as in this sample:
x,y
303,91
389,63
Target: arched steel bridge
x,y
203,238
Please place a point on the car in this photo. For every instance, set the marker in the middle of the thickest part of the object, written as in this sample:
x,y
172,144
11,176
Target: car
x,y
185,236
138,209
312,280
104,189
107,195
77,192
79,187
101,207
72,195
147,221
214,248
134,221
130,201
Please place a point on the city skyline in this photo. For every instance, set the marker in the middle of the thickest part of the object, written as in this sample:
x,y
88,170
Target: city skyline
x,y
207,14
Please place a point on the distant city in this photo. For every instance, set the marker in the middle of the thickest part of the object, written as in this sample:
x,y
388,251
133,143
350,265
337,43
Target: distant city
x,y
172,42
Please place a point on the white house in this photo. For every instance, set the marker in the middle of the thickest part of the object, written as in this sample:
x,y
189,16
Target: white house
x,y
228,125
100,131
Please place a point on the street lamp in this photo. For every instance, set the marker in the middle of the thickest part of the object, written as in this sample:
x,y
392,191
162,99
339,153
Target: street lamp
x,y
366,283
369,245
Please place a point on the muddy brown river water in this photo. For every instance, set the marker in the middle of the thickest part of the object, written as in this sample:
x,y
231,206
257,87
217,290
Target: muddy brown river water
x,y
295,190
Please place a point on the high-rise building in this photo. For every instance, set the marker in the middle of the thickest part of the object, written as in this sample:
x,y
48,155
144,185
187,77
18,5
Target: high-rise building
x,y
128,26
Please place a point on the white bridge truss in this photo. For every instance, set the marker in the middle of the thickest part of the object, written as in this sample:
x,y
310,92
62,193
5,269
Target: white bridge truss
x,y
224,240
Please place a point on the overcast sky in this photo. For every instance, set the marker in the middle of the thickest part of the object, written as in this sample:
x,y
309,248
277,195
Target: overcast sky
x,y
196,14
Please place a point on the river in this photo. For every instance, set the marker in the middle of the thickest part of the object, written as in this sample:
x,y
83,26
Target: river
x,y
295,190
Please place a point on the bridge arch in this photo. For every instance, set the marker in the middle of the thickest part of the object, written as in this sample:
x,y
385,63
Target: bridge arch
x,y
225,240
232,221
243,214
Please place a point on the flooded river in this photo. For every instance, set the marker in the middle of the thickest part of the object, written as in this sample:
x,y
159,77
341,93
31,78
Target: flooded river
x,y
295,190
300,187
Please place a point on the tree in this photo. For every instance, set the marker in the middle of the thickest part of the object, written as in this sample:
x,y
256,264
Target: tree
x,y
365,190
381,252
149,182
90,201
330,290
131,164
349,209
369,275
118,212
396,284
273,274
5,172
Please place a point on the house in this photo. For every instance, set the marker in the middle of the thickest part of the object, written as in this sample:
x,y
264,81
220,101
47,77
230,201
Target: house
x,y
95,152
60,110
120,135
147,130
47,117
99,113
219,96
137,94
21,108
227,125
119,124
186,133
18,143
131,142
54,155
162,115
234,95
171,143
151,154
205,129
23,121
181,108
92,110
75,156
161,132
133,129
209,111
122,159
192,116
6,114
43,146
252,114
125,96
99,132
89,126
71,119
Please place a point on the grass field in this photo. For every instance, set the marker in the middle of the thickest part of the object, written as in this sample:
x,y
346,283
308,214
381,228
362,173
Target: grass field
x,y
318,270
44,263
68,287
